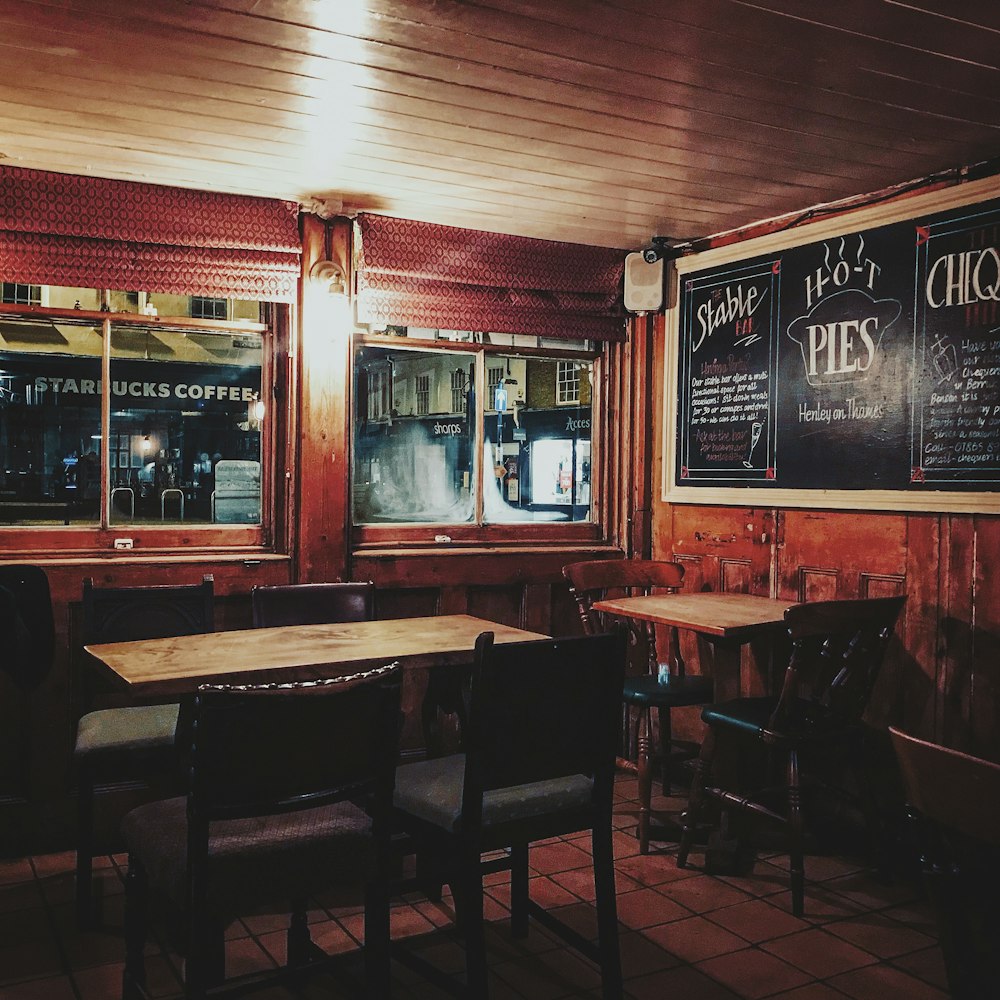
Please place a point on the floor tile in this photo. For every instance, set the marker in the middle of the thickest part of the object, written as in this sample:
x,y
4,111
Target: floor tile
x,y
682,933
752,974
819,953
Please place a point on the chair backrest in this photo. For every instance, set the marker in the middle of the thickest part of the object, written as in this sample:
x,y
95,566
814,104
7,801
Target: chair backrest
x,y
597,579
125,614
951,789
954,800
837,651
26,625
258,750
312,604
543,710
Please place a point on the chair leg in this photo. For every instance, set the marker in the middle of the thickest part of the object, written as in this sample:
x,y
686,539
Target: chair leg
x,y
299,942
85,848
691,816
473,930
796,861
377,937
136,894
645,781
607,911
519,890
666,735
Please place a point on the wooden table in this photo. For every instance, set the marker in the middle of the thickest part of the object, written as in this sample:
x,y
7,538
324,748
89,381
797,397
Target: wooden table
x,y
164,669
727,621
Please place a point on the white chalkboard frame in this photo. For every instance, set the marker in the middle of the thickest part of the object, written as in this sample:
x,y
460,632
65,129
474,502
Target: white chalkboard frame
x,y
928,500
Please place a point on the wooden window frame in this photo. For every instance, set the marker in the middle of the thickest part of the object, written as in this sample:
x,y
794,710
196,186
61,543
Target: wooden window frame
x,y
428,535
267,536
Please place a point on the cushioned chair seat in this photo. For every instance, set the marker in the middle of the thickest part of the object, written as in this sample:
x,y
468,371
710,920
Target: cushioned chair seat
x,y
142,727
246,856
751,715
647,690
432,790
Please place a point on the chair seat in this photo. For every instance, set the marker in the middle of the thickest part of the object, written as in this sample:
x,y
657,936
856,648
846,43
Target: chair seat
x,y
251,860
751,716
431,790
134,728
648,691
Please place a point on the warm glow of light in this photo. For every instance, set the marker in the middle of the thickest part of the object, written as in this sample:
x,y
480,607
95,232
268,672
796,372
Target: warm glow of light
x,y
329,317
338,81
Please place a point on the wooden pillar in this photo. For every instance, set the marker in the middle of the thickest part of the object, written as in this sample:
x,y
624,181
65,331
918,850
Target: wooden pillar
x,y
322,365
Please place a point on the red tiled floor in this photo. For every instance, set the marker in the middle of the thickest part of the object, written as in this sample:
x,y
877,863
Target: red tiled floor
x,y
684,934
819,953
752,974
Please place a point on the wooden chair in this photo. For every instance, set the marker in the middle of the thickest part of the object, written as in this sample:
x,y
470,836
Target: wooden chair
x,y
954,802
270,818
593,581
312,604
134,742
539,763
26,624
837,651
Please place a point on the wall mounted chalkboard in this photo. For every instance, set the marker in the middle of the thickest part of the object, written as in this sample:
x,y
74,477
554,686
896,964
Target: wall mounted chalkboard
x,y
864,360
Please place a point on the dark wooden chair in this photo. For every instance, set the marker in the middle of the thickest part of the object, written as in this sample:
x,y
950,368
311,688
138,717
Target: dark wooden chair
x,y
26,624
539,762
312,604
954,802
270,818
135,742
593,581
837,651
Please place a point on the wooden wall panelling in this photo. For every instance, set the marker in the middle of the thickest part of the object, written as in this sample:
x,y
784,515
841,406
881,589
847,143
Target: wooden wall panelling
x,y
984,707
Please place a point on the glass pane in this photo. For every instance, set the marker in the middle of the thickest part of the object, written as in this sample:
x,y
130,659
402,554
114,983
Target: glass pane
x,y
185,427
413,456
50,423
537,448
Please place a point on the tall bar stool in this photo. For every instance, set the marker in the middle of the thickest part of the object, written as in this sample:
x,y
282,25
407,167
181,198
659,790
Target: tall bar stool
x,y
660,690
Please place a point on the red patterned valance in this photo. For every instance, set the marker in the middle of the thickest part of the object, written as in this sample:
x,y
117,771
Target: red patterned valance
x,y
59,229
420,274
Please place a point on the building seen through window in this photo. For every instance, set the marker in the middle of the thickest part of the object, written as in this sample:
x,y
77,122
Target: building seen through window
x,y
420,439
183,443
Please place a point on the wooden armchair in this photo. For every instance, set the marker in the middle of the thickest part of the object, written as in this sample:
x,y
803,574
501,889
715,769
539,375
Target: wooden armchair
x,y
271,817
312,604
529,773
135,742
954,802
837,651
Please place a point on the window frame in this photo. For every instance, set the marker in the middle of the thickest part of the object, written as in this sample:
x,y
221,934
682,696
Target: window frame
x,y
396,534
100,536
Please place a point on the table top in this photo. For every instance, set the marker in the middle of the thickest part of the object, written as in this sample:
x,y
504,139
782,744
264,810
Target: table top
x,y
178,665
729,616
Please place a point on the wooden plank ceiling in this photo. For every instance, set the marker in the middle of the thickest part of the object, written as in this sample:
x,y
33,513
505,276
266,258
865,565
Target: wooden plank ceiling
x,y
592,121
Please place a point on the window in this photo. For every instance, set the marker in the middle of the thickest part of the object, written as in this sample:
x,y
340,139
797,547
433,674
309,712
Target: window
x,y
443,458
494,376
458,390
183,443
567,383
22,295
422,389
206,308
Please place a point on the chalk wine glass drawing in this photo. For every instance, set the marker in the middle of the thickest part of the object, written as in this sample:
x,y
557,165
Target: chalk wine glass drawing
x,y
755,431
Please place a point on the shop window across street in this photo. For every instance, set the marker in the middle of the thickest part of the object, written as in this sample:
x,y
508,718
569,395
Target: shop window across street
x,y
182,442
426,450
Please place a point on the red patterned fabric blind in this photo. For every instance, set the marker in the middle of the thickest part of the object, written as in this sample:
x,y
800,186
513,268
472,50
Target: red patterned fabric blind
x,y
60,229
420,274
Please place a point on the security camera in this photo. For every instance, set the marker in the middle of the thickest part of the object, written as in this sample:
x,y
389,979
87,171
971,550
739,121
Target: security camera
x,y
652,254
